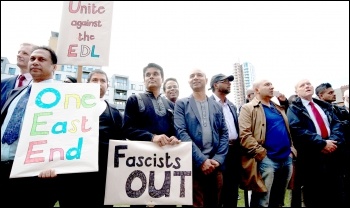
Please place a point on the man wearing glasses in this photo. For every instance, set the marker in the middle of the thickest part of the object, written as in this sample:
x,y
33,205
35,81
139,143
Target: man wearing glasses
x,y
221,86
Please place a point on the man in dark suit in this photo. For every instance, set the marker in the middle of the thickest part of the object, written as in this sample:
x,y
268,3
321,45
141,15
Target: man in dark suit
x,y
220,84
27,191
319,140
201,121
24,78
91,185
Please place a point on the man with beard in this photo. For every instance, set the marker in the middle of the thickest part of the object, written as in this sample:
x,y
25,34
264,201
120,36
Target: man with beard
x,y
326,93
221,86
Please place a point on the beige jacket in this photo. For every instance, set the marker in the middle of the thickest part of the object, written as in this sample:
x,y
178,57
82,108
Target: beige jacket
x,y
252,127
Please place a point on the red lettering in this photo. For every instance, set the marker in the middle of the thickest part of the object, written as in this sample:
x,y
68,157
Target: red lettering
x,y
30,152
83,123
71,50
85,9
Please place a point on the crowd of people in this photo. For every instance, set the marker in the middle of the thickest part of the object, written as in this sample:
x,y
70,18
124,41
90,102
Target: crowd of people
x,y
263,147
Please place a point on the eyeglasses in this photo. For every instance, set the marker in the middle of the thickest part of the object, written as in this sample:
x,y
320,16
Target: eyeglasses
x,y
224,81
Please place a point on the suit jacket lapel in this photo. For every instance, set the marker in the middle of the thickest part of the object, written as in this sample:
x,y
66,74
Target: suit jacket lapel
x,y
211,109
193,106
12,82
12,94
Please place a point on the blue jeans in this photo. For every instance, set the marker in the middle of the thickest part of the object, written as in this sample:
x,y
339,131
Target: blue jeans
x,y
276,176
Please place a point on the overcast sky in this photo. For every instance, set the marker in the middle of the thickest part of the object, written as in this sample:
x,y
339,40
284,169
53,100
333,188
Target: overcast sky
x,y
285,41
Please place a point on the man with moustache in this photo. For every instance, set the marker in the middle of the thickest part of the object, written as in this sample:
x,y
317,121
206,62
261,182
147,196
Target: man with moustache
x,y
28,191
171,89
220,84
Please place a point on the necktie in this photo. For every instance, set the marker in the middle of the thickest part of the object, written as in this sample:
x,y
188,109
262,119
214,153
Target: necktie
x,y
20,80
12,131
319,119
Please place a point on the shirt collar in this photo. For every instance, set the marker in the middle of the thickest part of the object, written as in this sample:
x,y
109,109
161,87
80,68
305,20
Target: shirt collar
x,y
149,93
28,76
46,81
218,99
305,102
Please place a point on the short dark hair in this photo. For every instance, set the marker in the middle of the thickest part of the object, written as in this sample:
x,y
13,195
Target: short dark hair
x,y
167,80
96,71
320,88
52,52
153,65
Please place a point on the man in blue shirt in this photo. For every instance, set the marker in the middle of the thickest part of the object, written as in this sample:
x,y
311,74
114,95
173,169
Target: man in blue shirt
x,y
267,147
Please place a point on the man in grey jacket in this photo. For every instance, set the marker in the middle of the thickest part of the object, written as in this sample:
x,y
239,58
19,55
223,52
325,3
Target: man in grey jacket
x,y
201,121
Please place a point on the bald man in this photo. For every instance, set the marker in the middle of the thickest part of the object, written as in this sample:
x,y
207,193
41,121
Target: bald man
x,y
267,147
201,120
319,140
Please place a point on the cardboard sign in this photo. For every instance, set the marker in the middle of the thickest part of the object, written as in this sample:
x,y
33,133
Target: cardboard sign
x,y
60,130
143,173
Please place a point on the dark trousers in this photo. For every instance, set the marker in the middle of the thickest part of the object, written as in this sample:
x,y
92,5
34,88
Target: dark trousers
x,y
324,186
85,189
207,188
296,187
82,190
231,177
27,191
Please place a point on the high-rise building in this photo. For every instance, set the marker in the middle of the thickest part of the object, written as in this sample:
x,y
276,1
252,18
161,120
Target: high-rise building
x,y
248,76
238,85
244,77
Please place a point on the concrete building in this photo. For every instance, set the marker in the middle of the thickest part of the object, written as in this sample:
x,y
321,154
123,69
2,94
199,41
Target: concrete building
x,y
248,76
120,87
339,92
238,85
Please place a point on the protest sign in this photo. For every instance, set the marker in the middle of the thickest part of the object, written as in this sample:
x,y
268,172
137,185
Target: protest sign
x,y
85,33
60,130
143,173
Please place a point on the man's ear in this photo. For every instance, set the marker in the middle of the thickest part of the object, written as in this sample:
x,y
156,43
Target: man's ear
x,y
54,68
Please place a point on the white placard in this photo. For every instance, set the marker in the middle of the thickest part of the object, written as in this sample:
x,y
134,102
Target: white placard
x,y
60,130
142,173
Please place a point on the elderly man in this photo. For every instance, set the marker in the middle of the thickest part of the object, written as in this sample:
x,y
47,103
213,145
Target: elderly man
x,y
318,137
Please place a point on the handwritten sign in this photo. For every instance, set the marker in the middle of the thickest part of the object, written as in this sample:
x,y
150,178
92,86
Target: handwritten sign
x,y
85,33
142,173
60,130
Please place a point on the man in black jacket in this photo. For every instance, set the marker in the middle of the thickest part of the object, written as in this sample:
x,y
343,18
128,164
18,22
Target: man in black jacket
x,y
91,186
319,140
